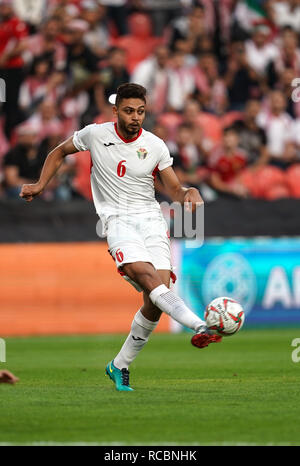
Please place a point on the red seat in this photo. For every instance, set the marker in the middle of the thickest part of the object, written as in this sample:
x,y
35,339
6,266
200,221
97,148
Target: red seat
x,y
268,177
293,180
247,179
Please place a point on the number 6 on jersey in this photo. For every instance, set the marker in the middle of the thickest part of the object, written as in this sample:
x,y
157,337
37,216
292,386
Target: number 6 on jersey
x,y
121,170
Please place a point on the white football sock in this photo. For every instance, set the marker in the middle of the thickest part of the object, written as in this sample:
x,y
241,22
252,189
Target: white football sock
x,y
168,302
141,328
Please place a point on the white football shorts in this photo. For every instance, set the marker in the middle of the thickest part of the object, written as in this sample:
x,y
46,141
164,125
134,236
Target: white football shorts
x,y
139,237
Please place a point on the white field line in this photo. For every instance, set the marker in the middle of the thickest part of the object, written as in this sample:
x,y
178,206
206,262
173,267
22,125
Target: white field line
x,y
122,444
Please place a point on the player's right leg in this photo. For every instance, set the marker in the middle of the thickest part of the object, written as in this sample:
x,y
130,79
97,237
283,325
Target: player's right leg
x,y
167,301
143,324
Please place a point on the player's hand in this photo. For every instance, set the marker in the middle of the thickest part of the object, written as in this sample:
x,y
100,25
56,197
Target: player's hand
x,y
8,377
30,191
192,199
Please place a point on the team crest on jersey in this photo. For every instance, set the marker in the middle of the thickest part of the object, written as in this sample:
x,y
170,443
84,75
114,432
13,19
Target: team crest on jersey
x,y
142,153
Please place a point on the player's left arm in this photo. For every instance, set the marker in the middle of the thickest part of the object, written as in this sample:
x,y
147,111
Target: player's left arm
x,y
177,192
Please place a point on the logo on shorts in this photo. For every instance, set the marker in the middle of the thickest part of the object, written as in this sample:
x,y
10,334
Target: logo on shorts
x,y
119,256
142,153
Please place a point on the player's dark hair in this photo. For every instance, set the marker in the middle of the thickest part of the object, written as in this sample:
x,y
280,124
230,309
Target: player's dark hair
x,y
130,91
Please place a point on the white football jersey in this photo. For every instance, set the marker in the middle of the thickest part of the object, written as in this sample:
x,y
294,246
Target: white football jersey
x,y
123,172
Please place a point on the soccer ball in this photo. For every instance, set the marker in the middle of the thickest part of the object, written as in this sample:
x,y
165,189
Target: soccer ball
x,y
224,316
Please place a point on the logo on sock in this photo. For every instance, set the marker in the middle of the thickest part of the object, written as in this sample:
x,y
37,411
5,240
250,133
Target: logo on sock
x,y
138,338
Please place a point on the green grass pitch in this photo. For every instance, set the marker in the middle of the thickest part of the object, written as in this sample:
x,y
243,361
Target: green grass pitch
x,y
242,391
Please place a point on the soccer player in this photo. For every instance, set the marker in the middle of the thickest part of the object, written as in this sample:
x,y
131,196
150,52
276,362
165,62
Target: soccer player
x,y
125,159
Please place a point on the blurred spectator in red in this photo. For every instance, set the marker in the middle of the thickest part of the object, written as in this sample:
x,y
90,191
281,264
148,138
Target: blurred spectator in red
x,y
240,78
97,37
46,43
153,74
182,82
278,126
41,83
252,138
260,51
12,30
139,43
226,164
287,13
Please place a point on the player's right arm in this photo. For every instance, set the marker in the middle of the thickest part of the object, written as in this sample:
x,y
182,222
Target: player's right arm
x,y
52,163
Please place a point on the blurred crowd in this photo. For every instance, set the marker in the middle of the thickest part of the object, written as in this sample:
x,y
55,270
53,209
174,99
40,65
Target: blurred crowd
x,y
222,76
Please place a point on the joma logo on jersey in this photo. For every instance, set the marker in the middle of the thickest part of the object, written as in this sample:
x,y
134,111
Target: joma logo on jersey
x,y
142,153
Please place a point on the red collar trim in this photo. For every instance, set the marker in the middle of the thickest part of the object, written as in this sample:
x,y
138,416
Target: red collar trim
x,y
127,140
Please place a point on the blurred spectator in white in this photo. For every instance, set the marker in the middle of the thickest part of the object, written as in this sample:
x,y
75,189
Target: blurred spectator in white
x,y
153,74
246,15
46,42
33,12
64,10
181,82
288,57
284,85
42,82
211,89
139,43
278,126
252,138
287,13
190,28
45,120
97,36
226,164
12,30
259,50
82,64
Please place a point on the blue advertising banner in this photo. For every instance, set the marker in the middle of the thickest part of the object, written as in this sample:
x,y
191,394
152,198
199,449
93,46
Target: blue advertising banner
x,y
262,274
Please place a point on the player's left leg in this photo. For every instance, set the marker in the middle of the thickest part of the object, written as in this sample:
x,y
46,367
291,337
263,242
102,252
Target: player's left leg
x,y
143,324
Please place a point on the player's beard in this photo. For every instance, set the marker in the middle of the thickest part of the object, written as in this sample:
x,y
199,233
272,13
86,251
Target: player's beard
x,y
129,130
